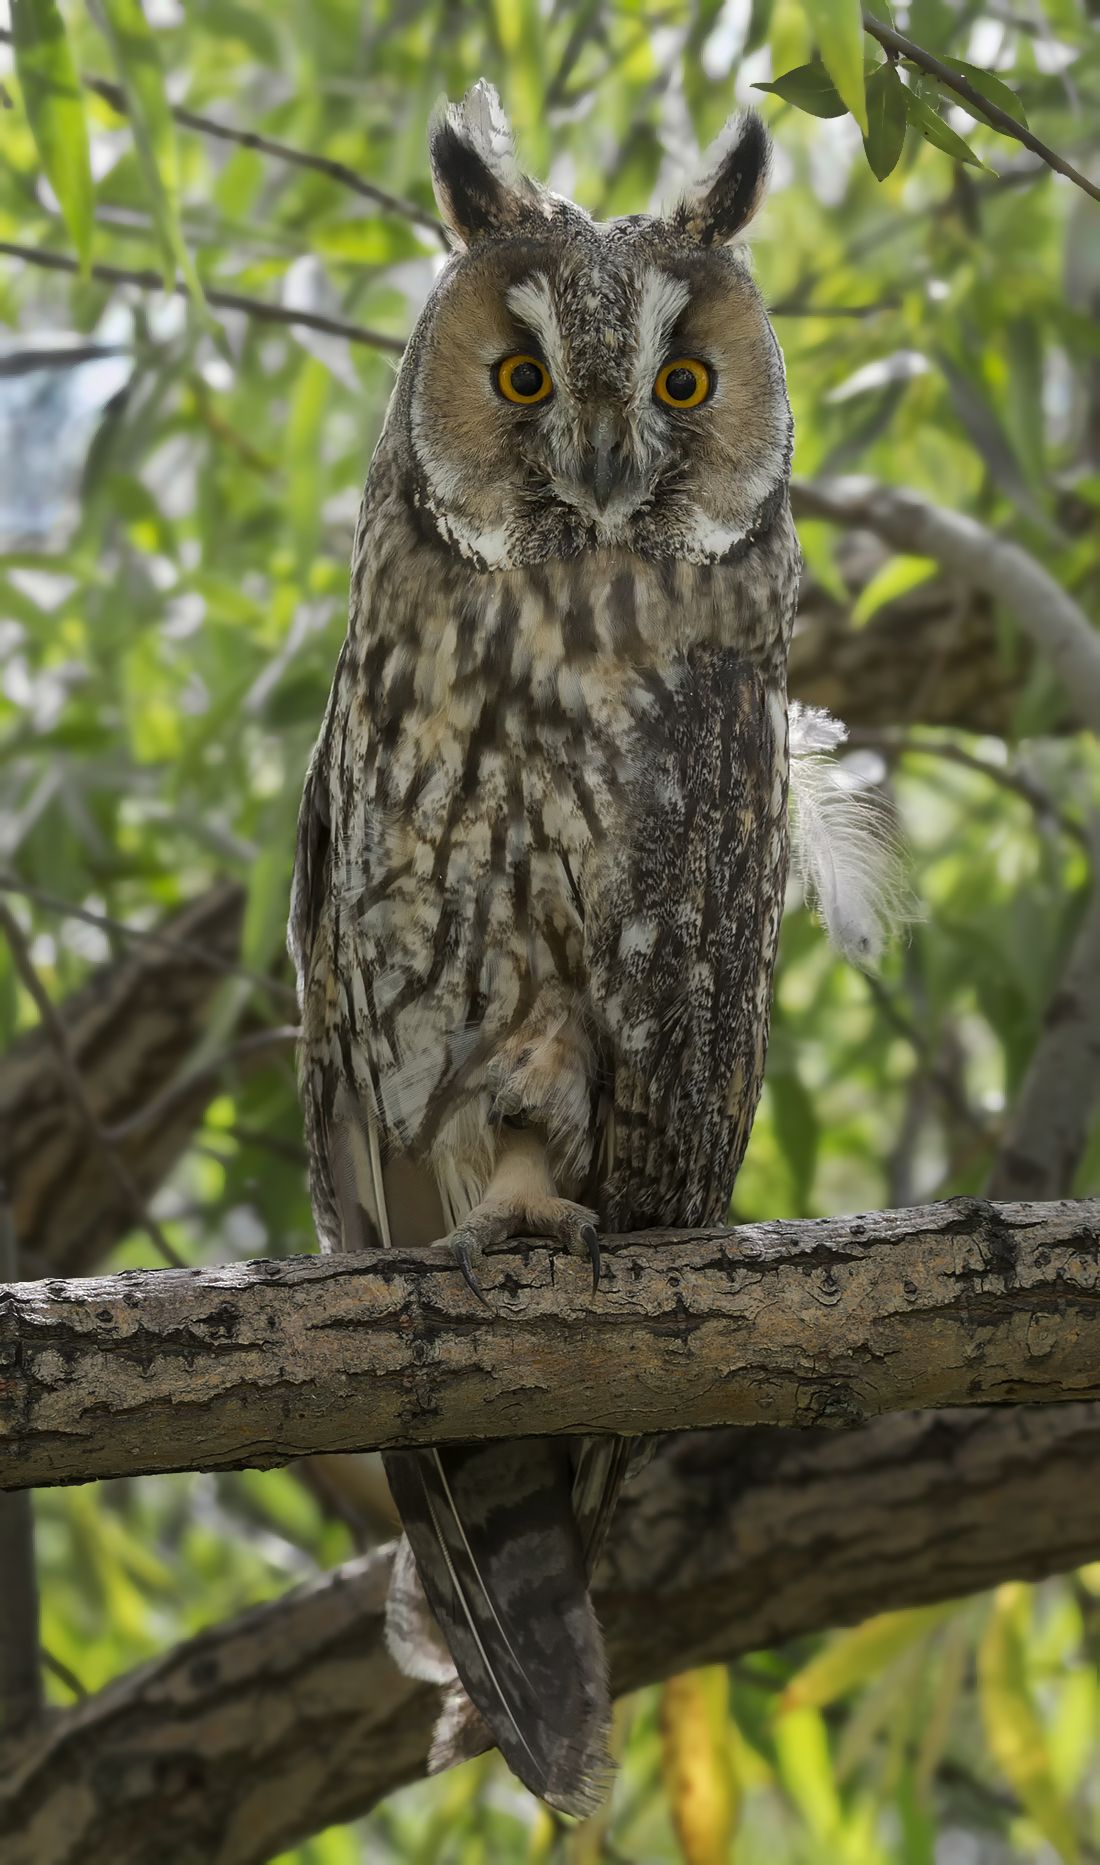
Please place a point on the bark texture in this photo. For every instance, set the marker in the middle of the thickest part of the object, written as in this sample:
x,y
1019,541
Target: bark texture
x,y
260,1731
826,1321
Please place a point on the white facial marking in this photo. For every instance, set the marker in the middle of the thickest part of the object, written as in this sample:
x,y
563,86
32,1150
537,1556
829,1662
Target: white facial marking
x,y
661,302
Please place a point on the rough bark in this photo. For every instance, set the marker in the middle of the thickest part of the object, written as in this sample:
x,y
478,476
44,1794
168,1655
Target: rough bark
x,y
131,1027
825,1321
260,1731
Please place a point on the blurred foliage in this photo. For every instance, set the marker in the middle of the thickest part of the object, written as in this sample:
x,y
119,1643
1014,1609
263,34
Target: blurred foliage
x,y
177,496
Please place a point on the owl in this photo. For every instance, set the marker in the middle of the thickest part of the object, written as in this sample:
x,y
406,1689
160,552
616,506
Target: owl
x,y
543,844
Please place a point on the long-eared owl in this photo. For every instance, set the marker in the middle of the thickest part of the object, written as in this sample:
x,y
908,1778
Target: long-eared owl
x,y
543,846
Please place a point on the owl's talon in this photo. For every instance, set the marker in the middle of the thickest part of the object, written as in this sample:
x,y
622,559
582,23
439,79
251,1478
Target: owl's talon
x,y
592,1239
464,1254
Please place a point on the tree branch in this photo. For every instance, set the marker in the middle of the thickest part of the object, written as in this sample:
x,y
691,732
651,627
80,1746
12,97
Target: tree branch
x,y
20,1666
980,559
257,308
244,1740
825,1321
900,47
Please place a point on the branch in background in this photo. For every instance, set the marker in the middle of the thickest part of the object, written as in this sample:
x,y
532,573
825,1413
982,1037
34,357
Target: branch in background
x,y
131,1029
244,1740
898,46
20,1665
115,96
819,1321
1048,1128
54,1026
980,559
256,308
1006,776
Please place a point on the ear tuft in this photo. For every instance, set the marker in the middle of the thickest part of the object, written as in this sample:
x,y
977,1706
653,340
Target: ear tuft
x,y
479,187
731,186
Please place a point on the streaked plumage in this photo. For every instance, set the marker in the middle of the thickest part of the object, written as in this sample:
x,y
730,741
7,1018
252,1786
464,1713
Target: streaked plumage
x,y
543,845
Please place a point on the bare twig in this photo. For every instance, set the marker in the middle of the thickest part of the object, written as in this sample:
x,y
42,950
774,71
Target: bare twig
x,y
980,559
897,741
257,308
183,1089
114,95
55,1029
148,935
898,46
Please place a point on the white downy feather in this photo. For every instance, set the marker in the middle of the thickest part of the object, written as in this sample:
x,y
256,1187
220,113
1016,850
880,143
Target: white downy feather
x,y
844,845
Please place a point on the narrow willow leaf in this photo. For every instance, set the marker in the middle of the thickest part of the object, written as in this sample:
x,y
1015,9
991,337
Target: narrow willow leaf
x,y
934,130
852,1658
137,62
838,32
54,103
993,89
1015,1734
897,577
698,1746
886,121
809,88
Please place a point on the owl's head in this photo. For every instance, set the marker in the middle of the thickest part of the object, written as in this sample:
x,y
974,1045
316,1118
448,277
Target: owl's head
x,y
577,385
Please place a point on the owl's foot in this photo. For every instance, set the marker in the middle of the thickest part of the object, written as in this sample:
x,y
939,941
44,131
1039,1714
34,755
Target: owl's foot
x,y
521,1202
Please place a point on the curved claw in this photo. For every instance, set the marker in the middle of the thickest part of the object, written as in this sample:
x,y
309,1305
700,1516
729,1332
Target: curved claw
x,y
463,1256
591,1238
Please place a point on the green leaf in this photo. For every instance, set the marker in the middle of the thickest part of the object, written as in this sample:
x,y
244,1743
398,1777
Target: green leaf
x,y
137,62
994,90
897,577
1013,1727
886,121
809,88
838,32
853,1658
934,130
54,104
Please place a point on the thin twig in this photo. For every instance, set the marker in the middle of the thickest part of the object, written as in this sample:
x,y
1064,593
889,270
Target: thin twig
x,y
257,308
74,1085
153,1111
63,1672
895,742
147,935
898,46
114,95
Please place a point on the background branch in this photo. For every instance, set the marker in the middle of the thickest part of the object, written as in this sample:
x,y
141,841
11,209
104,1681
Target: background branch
x,y
243,1740
257,308
980,559
823,1321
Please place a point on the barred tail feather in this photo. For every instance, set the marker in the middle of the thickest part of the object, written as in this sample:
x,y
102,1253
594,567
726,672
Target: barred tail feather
x,y
503,1565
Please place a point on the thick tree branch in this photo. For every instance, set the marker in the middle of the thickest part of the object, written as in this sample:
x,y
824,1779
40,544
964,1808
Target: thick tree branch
x,y
20,1666
899,47
260,1731
980,559
828,1321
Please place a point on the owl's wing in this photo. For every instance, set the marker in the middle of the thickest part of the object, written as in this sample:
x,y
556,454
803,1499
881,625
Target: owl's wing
x,y
683,941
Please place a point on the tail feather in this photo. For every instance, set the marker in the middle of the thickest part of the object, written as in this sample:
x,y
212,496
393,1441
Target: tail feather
x,y
503,1565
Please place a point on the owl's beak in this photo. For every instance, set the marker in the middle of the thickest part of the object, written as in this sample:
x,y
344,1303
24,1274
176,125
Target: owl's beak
x,y
607,467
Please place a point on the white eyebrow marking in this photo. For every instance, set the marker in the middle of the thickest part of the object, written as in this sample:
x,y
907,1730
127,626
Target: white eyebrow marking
x,y
661,301
532,303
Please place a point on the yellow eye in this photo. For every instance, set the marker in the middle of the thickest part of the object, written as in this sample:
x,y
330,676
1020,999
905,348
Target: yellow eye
x,y
683,383
523,379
